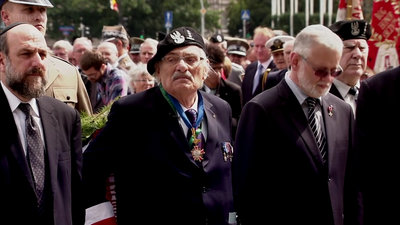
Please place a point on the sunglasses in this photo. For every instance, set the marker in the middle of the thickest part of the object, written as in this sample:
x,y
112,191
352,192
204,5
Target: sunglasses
x,y
324,72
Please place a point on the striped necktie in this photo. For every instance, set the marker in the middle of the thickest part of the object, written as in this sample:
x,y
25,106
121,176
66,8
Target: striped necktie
x,y
316,126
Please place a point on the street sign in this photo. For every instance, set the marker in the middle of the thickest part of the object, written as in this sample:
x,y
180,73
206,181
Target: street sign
x,y
168,19
66,30
245,14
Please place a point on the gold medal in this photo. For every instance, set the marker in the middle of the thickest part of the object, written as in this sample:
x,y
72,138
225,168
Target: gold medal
x,y
197,153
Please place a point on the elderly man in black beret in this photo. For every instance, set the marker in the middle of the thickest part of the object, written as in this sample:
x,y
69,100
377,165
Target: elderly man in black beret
x,y
175,165
355,34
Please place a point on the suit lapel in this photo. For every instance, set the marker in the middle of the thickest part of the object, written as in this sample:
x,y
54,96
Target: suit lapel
x,y
212,131
330,121
50,124
11,141
298,118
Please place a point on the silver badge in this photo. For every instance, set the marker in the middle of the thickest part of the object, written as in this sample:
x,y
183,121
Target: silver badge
x,y
189,35
355,29
177,37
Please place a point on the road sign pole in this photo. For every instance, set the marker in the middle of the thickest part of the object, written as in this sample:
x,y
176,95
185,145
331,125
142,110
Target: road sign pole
x,y
244,28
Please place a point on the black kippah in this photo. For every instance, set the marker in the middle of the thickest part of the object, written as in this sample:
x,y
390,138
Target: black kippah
x,y
9,27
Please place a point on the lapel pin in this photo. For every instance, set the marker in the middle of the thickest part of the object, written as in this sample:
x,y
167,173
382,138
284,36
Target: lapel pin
x,y
330,110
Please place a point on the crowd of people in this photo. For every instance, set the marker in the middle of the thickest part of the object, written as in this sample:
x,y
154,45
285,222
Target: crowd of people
x,y
201,131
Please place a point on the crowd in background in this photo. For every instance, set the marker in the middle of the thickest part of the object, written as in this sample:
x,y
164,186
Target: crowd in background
x,y
201,130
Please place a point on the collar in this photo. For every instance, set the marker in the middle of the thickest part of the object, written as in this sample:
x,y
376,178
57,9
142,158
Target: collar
x,y
14,101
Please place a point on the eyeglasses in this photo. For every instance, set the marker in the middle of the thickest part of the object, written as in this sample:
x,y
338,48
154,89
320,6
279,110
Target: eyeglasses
x,y
323,72
145,80
192,61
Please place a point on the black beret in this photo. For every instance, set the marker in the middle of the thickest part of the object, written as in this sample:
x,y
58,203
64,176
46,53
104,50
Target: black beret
x,y
217,38
179,37
352,29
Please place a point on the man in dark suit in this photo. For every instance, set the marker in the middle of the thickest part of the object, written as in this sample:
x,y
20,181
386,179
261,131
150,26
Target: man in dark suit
x,y
172,167
252,85
376,144
224,89
302,176
355,34
25,200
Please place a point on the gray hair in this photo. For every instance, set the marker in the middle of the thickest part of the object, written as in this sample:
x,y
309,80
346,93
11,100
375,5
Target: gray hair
x,y
316,34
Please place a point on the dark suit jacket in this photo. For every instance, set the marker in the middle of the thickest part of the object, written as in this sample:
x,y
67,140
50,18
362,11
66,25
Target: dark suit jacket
x,y
377,146
247,84
231,93
335,91
278,174
274,78
62,134
157,181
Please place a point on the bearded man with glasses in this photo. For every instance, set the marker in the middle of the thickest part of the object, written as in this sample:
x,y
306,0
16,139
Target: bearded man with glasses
x,y
296,137
175,166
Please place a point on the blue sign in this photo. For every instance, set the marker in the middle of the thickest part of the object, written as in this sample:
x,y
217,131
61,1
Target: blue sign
x,y
168,19
245,14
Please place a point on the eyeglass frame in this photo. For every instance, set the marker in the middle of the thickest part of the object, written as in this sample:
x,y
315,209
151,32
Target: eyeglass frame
x,y
323,72
178,58
145,80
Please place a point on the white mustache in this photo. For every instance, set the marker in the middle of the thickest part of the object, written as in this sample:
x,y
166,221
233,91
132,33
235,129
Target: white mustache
x,y
178,75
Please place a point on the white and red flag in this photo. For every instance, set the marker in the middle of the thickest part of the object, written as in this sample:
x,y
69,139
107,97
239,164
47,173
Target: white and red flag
x,y
384,44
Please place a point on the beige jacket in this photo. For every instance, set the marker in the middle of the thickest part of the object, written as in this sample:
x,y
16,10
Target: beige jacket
x,y
64,83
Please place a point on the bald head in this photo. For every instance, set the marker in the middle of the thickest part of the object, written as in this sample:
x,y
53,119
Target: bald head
x,y
22,60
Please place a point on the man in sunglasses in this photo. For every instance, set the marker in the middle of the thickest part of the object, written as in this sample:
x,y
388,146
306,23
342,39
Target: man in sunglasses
x,y
296,137
354,34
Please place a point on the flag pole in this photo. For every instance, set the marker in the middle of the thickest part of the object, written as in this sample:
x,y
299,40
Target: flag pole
x,y
349,11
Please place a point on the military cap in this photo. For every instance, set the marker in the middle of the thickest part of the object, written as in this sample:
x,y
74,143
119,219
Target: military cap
x,y
135,45
276,43
179,37
217,38
352,29
45,3
110,33
237,46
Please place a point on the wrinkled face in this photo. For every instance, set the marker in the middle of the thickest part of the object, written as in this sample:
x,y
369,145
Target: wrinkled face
x,y
143,82
182,70
24,67
147,52
316,71
35,15
354,57
111,55
61,52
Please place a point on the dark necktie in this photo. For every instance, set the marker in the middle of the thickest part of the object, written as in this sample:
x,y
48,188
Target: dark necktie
x,y
35,150
258,77
198,144
316,127
354,91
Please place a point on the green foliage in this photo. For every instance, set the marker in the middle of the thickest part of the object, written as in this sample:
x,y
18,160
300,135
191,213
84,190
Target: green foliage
x,y
140,17
92,123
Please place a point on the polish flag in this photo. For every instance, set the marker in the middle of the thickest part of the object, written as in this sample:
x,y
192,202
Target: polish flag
x,y
101,214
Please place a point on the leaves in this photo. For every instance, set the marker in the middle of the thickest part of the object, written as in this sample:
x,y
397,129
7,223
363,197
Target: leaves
x,y
92,123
